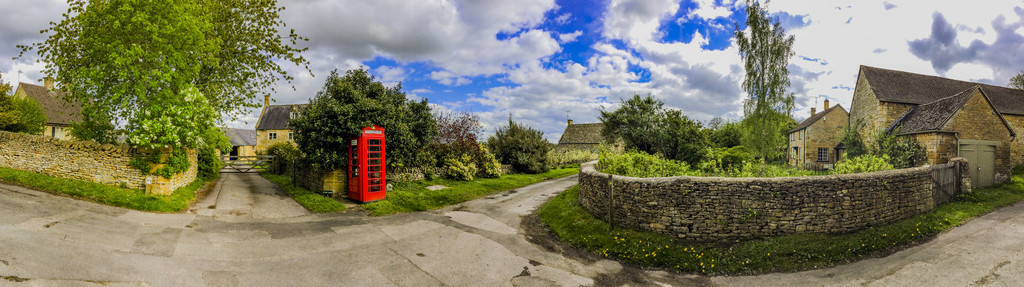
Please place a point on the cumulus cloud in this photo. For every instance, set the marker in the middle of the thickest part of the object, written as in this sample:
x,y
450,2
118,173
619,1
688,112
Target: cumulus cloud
x,y
943,49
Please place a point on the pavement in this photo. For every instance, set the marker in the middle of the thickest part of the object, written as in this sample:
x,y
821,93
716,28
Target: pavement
x,y
48,240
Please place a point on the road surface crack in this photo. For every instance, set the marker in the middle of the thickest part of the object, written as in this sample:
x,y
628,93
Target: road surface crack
x,y
992,276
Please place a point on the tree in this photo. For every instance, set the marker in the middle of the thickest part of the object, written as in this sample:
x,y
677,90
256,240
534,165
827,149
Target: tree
x,y
643,123
349,103
852,140
141,61
726,135
521,146
456,134
765,51
31,119
1017,82
8,111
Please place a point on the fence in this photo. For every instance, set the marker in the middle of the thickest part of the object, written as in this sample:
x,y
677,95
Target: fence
x,y
243,164
947,181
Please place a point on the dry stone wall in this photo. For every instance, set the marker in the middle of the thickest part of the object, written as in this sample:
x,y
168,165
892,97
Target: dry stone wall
x,y
730,209
83,160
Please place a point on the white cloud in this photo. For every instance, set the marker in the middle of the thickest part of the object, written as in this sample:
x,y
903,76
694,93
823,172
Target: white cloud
x,y
569,37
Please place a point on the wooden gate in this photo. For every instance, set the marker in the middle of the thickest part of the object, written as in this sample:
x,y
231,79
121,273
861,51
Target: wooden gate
x,y
242,164
947,182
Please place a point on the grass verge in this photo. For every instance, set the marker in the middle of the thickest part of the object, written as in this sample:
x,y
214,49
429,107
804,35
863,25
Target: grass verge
x,y
310,200
574,225
414,196
105,194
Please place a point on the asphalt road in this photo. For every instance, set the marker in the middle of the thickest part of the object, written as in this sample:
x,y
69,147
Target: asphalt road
x,y
48,240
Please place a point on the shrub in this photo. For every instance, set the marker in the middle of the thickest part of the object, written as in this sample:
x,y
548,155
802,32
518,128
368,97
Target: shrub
x,y
209,163
903,151
569,157
284,154
864,163
640,164
461,168
520,146
644,124
489,165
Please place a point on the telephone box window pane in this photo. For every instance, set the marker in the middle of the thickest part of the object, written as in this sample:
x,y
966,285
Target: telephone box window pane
x,y
374,175
375,168
375,188
373,142
375,182
374,162
355,149
374,155
373,148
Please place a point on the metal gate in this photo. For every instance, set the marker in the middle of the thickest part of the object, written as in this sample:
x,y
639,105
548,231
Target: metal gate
x,y
242,164
947,182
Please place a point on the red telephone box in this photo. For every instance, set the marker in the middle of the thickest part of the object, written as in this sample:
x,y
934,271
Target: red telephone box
x,y
367,179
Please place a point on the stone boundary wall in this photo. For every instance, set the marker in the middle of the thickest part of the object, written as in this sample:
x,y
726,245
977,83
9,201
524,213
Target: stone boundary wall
x,y
730,209
84,160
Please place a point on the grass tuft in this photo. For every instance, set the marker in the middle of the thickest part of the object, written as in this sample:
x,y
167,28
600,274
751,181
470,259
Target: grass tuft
x,y
106,194
414,196
310,200
574,225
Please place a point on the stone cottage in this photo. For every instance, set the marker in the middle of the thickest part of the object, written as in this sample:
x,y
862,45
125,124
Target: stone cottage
x,y
950,118
272,126
59,114
815,141
580,137
243,141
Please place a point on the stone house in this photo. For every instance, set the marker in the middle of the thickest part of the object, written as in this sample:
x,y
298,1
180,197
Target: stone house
x,y
243,141
580,137
815,141
59,114
273,127
950,118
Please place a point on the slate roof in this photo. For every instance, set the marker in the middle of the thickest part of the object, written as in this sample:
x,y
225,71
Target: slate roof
x,y
240,137
814,118
911,88
56,110
582,134
933,116
275,117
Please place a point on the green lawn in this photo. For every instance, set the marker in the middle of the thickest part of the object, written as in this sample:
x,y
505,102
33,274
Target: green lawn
x,y
572,224
414,196
310,200
105,194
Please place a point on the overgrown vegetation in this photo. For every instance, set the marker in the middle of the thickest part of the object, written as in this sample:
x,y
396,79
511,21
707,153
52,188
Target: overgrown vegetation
x,y
521,146
310,200
414,196
105,194
570,157
898,151
20,115
641,164
644,124
574,225
285,154
863,163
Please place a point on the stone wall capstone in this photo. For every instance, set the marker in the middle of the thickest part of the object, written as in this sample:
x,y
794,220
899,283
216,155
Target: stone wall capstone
x,y
730,209
82,160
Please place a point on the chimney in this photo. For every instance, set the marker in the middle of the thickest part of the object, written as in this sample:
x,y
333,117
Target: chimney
x,y
826,105
48,83
266,101
814,110
570,122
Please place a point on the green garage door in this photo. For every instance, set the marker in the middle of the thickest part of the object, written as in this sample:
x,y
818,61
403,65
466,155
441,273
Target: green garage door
x,y
981,156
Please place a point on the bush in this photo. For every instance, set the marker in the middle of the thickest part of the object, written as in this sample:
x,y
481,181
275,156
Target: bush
x,y
461,168
864,163
640,164
569,157
209,163
644,124
284,154
489,165
520,146
903,151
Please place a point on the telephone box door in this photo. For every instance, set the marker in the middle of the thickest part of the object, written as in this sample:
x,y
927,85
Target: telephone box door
x,y
367,172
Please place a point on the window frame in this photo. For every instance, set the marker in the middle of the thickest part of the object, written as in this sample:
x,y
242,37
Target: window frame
x,y
826,154
272,135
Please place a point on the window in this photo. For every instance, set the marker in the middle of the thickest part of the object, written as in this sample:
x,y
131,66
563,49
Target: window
x,y
272,136
796,151
822,154
290,136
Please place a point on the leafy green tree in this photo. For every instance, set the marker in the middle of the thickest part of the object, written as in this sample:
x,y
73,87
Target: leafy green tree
x,y
643,123
1017,82
349,103
727,135
31,119
8,110
852,140
521,146
765,50
901,151
141,61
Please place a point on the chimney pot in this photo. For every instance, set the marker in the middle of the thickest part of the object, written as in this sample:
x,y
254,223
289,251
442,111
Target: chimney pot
x,y
266,101
826,104
48,83
570,122
814,110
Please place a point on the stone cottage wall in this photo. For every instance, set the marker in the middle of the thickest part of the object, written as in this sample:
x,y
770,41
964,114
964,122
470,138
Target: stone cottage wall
x,y
728,209
83,160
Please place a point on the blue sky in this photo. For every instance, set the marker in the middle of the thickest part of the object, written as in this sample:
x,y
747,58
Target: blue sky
x,y
539,60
